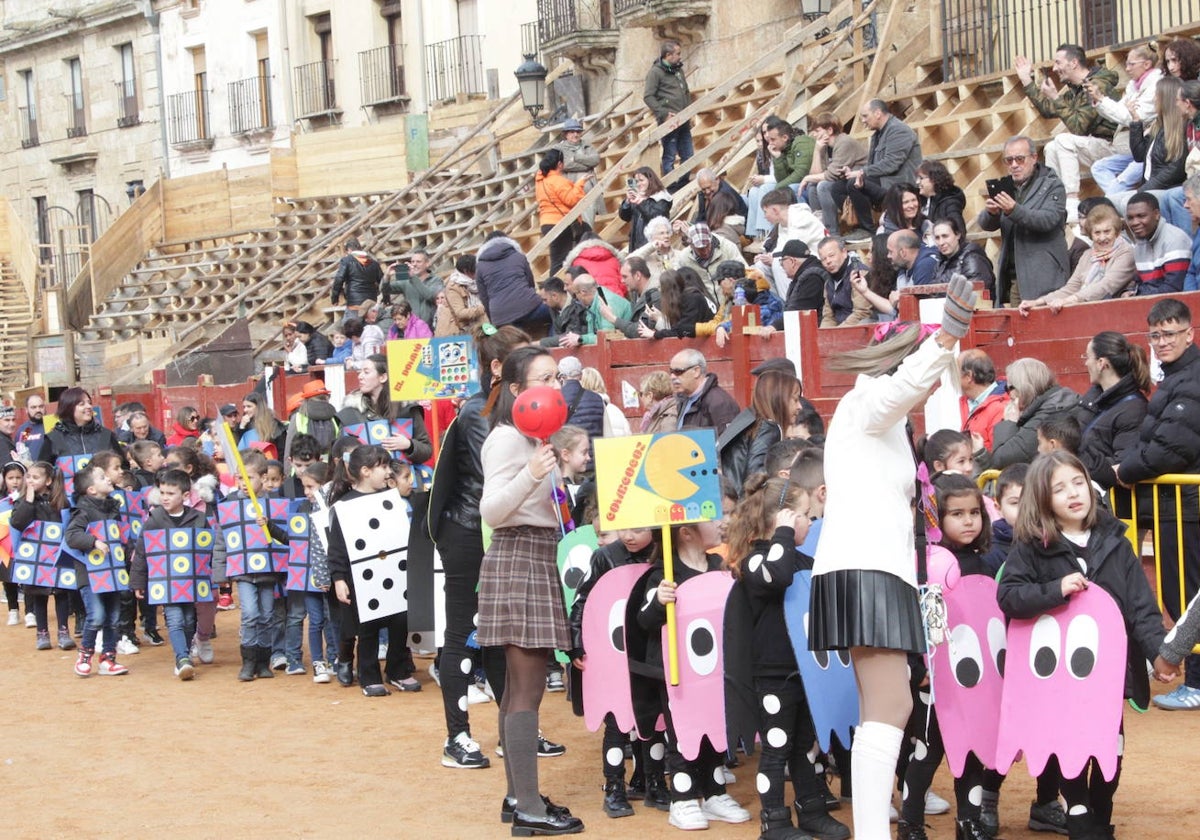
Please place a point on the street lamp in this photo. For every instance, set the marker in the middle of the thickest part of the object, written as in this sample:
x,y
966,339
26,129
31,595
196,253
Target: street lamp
x,y
813,9
531,79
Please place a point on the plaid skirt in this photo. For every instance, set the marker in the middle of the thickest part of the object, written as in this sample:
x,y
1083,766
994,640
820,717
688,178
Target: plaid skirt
x,y
520,594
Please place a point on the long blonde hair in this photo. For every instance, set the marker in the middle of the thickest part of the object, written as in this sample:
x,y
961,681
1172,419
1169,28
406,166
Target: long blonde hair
x,y
1170,121
879,358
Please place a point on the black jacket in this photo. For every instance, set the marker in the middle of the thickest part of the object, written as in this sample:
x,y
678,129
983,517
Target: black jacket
x,y
68,439
319,348
1031,586
1002,540
125,437
1110,421
1016,443
159,519
572,318
652,615
460,468
807,289
505,281
765,580
1164,173
1169,437
584,408
971,262
652,297
742,453
361,280
88,509
946,204
639,214
694,309
714,409
604,559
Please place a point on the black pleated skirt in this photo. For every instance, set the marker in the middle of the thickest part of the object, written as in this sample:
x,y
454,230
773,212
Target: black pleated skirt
x,y
864,608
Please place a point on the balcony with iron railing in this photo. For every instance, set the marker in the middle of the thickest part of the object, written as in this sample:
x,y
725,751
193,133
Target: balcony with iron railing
x,y
188,124
674,17
78,126
381,76
250,106
581,30
27,117
531,40
127,105
454,67
315,92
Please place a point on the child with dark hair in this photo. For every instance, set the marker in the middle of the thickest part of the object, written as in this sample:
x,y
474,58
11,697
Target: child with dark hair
x,y
43,500
1059,431
146,457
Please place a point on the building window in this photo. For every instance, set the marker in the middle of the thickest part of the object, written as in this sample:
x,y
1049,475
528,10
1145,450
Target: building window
x,y
381,70
127,100
87,216
314,89
250,99
41,214
28,112
78,125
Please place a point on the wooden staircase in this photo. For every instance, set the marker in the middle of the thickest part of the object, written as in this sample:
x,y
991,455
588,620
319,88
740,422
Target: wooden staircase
x,y
16,318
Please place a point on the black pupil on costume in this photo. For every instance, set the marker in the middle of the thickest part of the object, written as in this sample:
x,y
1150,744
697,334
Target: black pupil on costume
x,y
387,504
372,524
360,544
573,577
373,604
403,565
1082,662
618,639
368,574
967,673
1000,657
702,642
1044,662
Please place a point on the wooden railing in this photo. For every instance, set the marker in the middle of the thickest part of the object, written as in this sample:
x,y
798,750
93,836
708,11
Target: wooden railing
x,y
18,247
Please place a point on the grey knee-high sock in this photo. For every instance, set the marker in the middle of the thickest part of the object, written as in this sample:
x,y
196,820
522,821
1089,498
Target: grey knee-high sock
x,y
508,779
520,760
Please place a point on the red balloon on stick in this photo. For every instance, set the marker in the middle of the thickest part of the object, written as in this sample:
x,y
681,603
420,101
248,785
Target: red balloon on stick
x,y
539,412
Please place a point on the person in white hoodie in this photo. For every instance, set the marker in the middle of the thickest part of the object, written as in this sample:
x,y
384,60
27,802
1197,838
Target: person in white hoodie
x,y
1119,171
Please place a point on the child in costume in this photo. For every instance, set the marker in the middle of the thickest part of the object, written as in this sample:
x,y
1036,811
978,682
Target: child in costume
x,y
44,501
1065,542
771,520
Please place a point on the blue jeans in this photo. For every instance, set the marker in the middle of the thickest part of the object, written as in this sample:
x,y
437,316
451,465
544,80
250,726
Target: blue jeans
x,y
181,626
1117,173
1171,204
320,630
677,142
257,602
103,613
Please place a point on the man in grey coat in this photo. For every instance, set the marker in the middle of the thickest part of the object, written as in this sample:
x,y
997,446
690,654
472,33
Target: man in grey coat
x,y
1033,247
892,158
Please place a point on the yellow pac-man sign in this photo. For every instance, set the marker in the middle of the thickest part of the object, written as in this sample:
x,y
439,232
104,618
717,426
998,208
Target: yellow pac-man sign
x,y
655,480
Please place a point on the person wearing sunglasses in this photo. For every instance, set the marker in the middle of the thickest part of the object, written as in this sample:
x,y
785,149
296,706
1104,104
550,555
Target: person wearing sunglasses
x,y
1033,246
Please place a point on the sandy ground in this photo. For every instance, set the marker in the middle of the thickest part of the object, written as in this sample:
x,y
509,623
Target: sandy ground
x,y
144,754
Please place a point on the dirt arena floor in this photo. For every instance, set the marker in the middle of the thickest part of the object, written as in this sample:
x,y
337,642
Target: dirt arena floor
x,y
145,755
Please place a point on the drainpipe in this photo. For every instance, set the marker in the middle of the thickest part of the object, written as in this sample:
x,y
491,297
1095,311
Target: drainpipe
x,y
153,18
286,35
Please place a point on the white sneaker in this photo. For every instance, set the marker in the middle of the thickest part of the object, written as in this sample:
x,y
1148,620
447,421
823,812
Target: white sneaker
x,y
321,672
688,815
30,620
475,696
730,779
486,688
14,618
202,650
126,647
725,809
934,804
433,673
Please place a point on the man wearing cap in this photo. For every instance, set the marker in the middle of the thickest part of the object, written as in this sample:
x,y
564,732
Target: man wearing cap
x,y
311,413
32,433
806,277
8,429
584,408
229,412
701,402
704,251
579,160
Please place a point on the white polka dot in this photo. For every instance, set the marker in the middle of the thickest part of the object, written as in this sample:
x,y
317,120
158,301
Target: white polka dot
x,y
615,757
462,703
657,751
819,768
754,562
776,737
475,620
1078,810
719,775
681,782
771,704
924,697
775,553
763,783
766,573
975,795
920,751
1121,743
650,595
904,792
465,665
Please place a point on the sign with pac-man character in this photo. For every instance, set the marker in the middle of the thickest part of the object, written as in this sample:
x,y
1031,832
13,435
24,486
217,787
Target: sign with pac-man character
x,y
37,558
375,432
68,465
433,368
178,565
657,480
248,548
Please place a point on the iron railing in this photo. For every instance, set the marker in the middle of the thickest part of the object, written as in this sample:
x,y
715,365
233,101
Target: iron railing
x,y
531,41
27,117
454,66
187,117
620,6
127,104
78,126
250,105
381,74
981,38
315,92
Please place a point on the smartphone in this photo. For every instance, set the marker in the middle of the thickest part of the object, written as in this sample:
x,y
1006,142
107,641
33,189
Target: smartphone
x,y
631,184
995,186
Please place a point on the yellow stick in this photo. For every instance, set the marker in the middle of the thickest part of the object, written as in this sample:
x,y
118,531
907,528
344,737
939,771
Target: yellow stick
x,y
231,453
672,634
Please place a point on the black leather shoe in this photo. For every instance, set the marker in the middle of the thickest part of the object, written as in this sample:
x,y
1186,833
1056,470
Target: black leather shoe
x,y
376,690
657,794
616,803
345,673
509,806
554,823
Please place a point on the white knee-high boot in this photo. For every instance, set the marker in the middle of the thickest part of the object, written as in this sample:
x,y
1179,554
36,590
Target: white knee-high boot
x,y
873,772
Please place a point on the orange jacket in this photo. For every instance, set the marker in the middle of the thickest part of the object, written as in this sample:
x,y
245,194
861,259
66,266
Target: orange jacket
x,y
556,195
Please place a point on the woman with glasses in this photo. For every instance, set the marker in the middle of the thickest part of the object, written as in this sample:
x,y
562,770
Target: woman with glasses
x,y
187,425
1106,270
1117,172
1034,396
645,198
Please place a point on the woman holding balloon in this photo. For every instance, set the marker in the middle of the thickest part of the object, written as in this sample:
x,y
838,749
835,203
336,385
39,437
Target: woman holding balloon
x,y
520,596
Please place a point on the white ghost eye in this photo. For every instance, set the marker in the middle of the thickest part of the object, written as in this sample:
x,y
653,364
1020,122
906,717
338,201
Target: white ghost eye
x,y
966,658
616,625
997,643
1044,644
1082,648
701,642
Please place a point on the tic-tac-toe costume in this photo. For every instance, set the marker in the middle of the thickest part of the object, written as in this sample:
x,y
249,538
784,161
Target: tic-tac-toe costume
x,y
25,514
